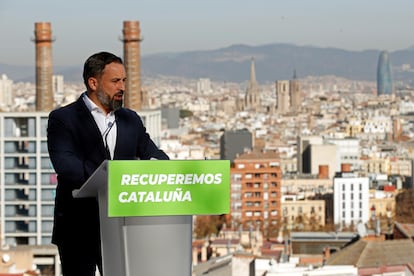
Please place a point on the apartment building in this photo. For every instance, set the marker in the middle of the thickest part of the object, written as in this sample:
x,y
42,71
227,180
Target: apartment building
x,y
351,199
27,180
303,214
255,192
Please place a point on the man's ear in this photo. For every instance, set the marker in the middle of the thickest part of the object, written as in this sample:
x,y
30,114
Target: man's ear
x,y
93,83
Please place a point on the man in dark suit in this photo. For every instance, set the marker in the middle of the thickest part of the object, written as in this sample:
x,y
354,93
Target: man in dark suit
x,y
81,136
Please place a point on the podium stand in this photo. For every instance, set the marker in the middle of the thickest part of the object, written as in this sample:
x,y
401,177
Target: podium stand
x,y
145,245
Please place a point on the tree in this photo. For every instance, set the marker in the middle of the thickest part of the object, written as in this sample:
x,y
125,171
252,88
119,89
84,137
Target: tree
x,y
404,206
185,113
205,226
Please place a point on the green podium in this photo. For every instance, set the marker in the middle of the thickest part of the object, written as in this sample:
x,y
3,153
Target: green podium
x,y
146,209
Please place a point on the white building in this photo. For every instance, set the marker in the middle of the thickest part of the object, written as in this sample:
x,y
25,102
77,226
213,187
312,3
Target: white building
x,y
348,152
6,96
58,84
351,199
152,121
378,125
203,86
27,180
58,87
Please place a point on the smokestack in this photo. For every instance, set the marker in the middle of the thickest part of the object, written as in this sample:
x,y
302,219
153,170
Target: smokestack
x,y
346,167
132,61
44,68
323,172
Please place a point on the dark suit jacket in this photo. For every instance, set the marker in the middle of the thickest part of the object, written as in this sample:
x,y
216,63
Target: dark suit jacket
x,y
76,149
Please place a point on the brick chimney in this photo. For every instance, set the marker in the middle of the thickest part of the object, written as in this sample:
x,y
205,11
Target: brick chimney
x,y
132,61
44,66
345,167
323,172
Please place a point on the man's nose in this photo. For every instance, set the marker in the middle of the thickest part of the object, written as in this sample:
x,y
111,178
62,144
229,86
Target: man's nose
x,y
121,85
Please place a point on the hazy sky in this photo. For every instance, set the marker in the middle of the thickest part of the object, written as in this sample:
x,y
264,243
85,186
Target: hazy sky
x,y
83,27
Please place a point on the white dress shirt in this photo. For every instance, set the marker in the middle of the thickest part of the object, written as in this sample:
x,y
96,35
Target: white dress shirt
x,y
105,123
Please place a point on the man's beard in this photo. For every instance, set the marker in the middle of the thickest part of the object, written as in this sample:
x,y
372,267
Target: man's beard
x,y
109,102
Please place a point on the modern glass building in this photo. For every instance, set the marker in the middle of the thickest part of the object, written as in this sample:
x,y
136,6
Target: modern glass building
x,y
384,75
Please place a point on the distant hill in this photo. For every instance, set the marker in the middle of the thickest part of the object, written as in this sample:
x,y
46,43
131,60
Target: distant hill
x,y
272,62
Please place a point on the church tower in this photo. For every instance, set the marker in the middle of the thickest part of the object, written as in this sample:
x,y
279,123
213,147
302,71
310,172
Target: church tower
x,y
288,95
283,96
252,97
295,95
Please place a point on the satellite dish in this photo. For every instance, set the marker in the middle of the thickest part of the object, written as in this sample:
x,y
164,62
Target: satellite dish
x,y
5,258
362,230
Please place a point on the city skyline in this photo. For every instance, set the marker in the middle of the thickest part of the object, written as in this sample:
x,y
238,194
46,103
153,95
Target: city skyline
x,y
81,28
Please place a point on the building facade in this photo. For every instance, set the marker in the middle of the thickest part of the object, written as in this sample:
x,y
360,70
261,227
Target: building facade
x,y
27,180
255,192
6,95
234,143
303,214
351,199
348,152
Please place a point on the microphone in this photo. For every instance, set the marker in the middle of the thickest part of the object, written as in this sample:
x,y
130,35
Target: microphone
x,y
105,136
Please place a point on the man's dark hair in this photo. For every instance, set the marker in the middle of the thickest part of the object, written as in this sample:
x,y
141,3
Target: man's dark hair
x,y
96,63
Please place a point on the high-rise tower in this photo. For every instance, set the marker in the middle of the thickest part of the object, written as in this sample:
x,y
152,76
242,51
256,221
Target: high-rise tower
x,y
384,75
132,60
44,68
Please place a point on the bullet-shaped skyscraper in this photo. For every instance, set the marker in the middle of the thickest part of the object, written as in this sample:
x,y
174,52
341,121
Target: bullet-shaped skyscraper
x,y
384,75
